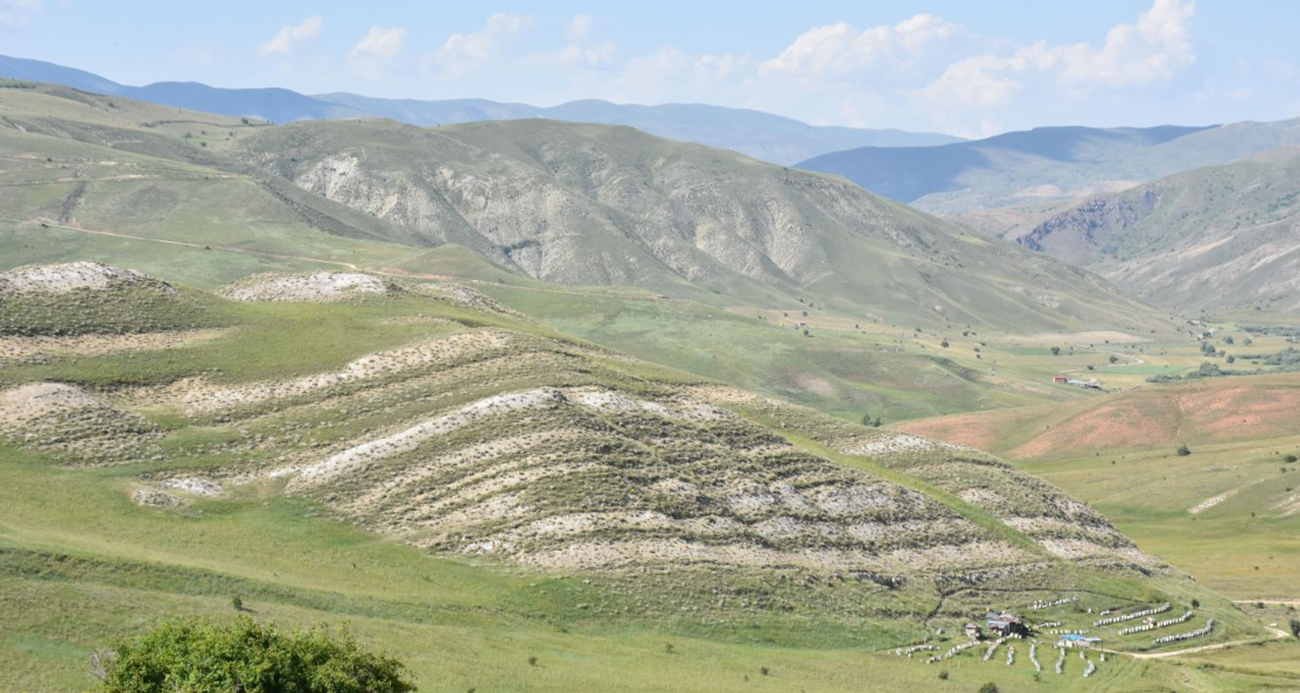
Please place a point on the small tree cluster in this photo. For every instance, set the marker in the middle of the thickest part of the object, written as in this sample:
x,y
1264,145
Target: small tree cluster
x,y
243,655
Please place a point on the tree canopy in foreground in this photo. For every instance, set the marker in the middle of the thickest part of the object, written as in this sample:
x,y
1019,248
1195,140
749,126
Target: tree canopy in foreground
x,y
202,656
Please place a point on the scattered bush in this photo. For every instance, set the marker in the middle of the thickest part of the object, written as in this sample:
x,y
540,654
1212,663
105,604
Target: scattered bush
x,y
1183,451
243,655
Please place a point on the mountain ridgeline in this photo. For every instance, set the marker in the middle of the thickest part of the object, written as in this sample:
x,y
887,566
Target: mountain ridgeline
x,y
1049,163
1216,238
762,135
593,204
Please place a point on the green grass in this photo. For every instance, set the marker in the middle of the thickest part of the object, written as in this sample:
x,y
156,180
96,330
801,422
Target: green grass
x,y
1247,546
81,564
100,567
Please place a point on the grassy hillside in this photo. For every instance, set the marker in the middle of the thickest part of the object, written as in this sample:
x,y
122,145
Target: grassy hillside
x,y
611,204
1215,239
1046,164
586,204
596,512
91,177
1225,513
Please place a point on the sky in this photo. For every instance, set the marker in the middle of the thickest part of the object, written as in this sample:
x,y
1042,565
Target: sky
x,y
960,67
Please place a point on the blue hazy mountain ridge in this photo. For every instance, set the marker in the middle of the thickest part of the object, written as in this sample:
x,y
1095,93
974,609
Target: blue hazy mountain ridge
x,y
754,133
1046,163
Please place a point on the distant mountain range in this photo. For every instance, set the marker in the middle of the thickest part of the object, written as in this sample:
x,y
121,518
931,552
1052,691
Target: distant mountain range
x,y
1216,238
1050,163
567,203
754,133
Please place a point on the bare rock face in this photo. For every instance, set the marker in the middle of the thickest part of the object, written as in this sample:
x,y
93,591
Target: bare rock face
x,y
91,298
597,205
1080,235
54,280
315,287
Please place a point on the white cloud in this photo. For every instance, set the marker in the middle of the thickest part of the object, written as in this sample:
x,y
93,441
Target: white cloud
x,y
289,36
579,27
374,53
462,53
670,74
574,55
16,13
840,49
1153,50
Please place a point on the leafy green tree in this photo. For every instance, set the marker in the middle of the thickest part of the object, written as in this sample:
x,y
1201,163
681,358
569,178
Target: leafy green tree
x,y
1056,351
199,655
1183,451
1295,627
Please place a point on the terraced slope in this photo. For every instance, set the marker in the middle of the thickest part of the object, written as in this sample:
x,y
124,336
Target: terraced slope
x,y
550,484
490,439
1227,512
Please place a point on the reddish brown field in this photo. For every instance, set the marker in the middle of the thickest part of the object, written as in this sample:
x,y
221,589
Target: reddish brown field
x,y
1211,411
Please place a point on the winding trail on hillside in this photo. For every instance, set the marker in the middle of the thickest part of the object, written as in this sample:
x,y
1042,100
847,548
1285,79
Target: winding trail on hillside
x,y
382,270
1202,648
185,244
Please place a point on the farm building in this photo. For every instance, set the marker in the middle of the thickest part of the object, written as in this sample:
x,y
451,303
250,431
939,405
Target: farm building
x,y
1076,640
973,631
1090,384
1005,623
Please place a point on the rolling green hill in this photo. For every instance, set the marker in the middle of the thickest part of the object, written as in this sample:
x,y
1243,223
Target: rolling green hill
x,y
295,405
1219,238
1227,512
561,202
91,177
438,470
591,204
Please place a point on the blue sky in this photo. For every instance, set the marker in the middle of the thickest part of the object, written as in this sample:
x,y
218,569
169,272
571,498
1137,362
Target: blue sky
x,y
960,67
